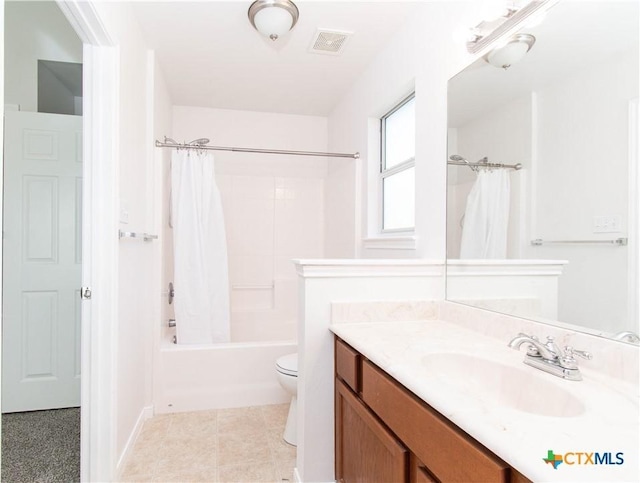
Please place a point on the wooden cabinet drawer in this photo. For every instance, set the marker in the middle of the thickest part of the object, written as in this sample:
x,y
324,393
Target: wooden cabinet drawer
x,y
419,473
348,365
518,478
423,476
449,453
366,452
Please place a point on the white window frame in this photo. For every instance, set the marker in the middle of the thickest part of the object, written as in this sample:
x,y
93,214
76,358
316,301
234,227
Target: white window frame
x,y
398,168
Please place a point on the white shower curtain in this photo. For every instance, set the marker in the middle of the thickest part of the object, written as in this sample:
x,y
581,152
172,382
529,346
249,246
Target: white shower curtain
x,y
484,234
201,277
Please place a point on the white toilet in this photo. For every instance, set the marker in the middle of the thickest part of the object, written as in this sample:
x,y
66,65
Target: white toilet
x,y
287,371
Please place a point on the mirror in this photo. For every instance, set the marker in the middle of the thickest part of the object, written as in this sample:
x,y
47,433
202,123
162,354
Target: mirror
x,y
555,241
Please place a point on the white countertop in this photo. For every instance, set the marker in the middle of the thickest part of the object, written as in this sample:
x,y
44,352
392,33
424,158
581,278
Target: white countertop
x,y
608,423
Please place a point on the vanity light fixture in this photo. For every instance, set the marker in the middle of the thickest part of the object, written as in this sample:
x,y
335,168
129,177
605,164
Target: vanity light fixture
x,y
489,24
518,13
273,18
511,52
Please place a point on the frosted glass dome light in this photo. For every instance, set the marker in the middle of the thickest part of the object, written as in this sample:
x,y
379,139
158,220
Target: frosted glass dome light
x,y
273,18
513,51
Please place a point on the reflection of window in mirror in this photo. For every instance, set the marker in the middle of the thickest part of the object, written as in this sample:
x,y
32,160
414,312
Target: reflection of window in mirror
x,y
397,167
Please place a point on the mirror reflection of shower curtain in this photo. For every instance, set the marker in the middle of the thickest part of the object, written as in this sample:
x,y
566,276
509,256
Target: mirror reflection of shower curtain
x,y
201,274
484,234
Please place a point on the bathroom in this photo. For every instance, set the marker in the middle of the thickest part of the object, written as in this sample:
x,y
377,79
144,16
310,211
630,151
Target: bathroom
x,y
323,211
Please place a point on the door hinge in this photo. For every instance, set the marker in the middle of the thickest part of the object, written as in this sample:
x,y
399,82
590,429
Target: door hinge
x,y
85,293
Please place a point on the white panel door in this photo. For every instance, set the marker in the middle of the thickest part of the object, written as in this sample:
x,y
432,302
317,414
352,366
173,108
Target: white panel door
x,y
42,261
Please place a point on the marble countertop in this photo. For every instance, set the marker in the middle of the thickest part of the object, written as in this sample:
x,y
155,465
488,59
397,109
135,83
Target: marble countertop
x,y
602,413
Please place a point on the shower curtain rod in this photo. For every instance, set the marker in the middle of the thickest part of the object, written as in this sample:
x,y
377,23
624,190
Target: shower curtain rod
x,y
254,150
486,165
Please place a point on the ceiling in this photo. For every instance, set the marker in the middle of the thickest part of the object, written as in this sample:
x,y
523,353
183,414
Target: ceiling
x,y
211,56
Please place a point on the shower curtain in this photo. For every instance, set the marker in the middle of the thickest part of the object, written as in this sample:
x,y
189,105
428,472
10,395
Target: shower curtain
x,y
201,276
484,234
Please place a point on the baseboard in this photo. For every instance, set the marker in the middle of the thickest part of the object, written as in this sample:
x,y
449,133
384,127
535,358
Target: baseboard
x,y
297,479
146,413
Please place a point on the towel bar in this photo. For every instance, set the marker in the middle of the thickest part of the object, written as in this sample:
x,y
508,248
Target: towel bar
x,y
621,242
131,234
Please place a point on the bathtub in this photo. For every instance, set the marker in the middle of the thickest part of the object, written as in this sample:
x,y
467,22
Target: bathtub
x,y
199,377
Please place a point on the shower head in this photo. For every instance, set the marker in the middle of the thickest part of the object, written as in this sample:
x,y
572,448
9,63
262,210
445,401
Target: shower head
x,y
199,142
459,159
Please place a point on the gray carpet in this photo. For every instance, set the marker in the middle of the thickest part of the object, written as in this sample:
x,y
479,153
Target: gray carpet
x,y
41,446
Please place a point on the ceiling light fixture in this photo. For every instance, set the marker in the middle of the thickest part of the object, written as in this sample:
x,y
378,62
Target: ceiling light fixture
x,y
511,52
273,18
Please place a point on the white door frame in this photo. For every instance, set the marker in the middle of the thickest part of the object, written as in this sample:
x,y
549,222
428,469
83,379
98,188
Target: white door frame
x,y
1,181
100,249
99,240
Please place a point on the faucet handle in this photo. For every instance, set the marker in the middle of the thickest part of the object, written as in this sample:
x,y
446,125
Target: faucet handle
x,y
568,361
568,350
552,346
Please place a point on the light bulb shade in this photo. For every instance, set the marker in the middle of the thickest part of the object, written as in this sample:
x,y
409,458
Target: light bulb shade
x,y
273,21
513,51
273,18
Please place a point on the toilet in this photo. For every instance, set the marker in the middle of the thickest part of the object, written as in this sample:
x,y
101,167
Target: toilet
x,y
287,372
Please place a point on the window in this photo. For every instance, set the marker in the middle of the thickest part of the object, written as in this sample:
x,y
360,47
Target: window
x,y
397,167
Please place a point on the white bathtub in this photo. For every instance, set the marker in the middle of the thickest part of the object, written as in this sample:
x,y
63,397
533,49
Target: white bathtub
x,y
193,378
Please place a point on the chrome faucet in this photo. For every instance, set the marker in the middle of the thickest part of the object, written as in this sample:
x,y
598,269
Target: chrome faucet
x,y
627,336
549,358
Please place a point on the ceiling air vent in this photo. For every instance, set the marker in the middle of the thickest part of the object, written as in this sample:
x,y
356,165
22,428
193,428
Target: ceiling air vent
x,y
329,42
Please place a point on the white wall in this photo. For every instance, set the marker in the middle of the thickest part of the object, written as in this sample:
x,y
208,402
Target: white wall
x,y
162,120
273,207
162,126
34,30
138,299
321,283
582,172
421,56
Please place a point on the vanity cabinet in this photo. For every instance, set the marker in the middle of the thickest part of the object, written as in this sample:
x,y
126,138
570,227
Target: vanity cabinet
x,y
368,450
384,433
365,449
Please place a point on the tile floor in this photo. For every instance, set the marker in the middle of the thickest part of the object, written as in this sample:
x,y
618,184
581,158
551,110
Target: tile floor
x,y
223,445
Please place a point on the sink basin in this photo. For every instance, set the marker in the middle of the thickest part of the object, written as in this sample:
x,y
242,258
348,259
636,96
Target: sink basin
x,y
516,388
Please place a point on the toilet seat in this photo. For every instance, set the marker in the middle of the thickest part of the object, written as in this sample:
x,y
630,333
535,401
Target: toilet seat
x,y
288,365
